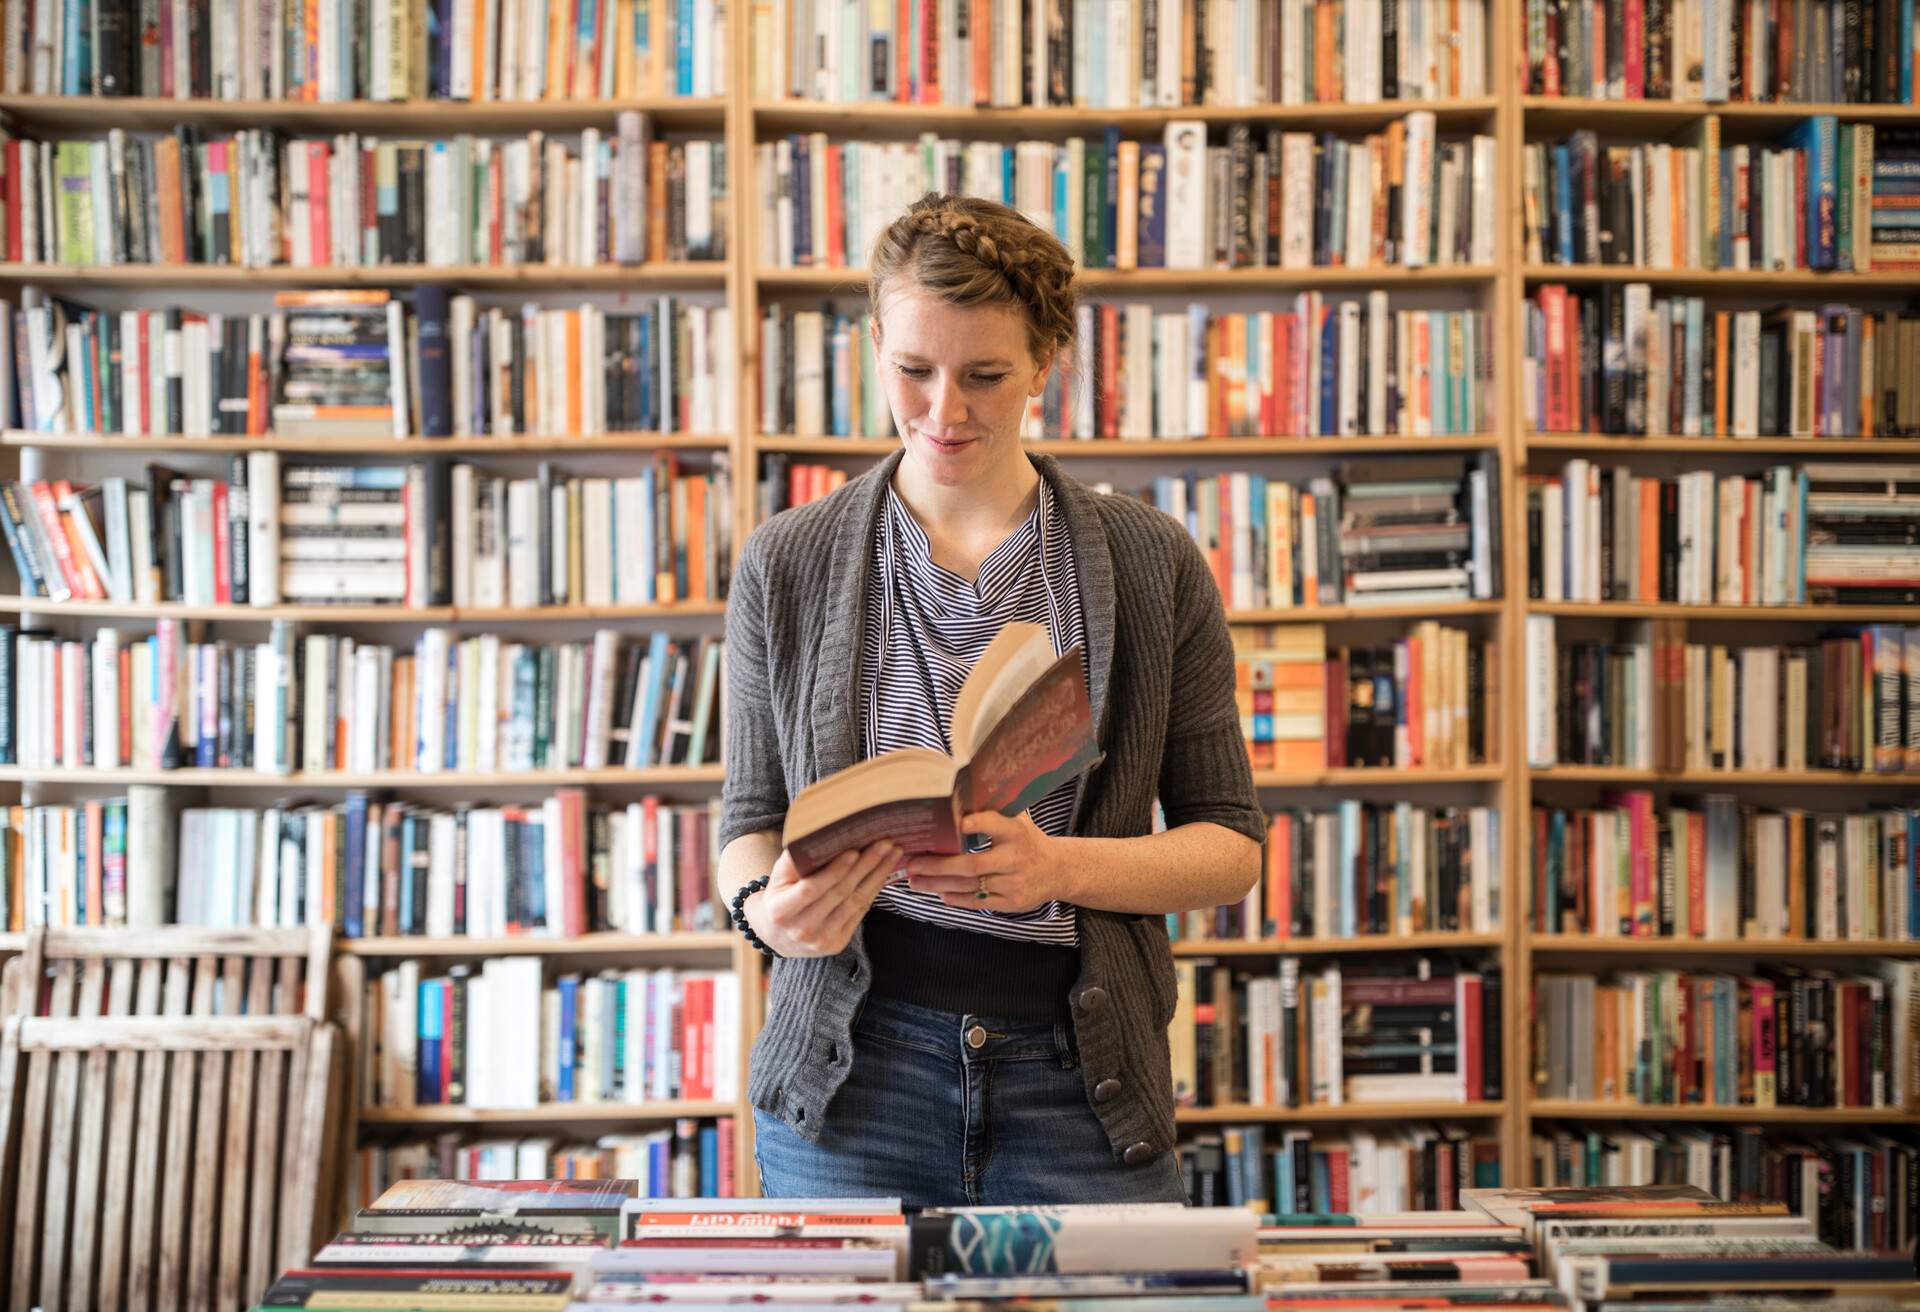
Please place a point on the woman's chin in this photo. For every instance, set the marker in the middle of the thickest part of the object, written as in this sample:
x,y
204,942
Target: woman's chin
x,y
948,460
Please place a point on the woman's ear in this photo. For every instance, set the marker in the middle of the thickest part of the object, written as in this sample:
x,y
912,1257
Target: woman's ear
x,y
1043,369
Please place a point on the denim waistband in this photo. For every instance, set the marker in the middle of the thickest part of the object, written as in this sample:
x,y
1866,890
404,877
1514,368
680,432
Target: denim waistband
x,y
964,1035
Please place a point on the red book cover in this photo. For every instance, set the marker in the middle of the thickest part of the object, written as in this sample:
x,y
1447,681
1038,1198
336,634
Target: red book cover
x,y
836,233
1633,50
320,223
929,52
494,194
1336,712
96,909
1107,422
222,547
903,82
1473,1038
724,1129
369,199
1339,1181
45,506
1540,925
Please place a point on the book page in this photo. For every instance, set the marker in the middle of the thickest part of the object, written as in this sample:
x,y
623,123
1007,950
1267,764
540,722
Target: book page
x,y
1013,662
1044,739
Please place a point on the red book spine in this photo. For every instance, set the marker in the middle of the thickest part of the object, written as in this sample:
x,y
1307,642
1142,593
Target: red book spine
x,y
1635,47
222,548
320,223
1473,1038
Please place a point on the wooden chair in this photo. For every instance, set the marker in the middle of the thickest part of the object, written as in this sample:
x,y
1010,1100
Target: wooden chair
x,y
228,967
157,1162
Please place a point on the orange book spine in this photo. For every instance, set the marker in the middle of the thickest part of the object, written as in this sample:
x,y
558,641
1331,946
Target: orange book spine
x,y
982,58
125,709
657,201
572,322
561,20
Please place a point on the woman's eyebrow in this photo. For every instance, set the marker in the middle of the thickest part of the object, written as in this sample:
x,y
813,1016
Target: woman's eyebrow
x,y
909,357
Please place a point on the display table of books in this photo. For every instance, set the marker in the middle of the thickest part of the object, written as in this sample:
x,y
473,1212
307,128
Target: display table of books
x,y
589,1246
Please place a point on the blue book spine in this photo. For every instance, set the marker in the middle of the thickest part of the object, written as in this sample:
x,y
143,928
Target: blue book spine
x,y
1236,1180
648,726
1283,1177
1563,203
1153,206
1322,1191
1006,183
683,53
1906,53
659,1168
1257,516
427,1064
1329,375
450,758
563,1087
709,1161
649,562
1060,193
1110,203
436,360
355,895
533,865
74,75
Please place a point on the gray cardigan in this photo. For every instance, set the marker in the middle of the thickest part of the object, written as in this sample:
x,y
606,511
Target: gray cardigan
x,y
1162,689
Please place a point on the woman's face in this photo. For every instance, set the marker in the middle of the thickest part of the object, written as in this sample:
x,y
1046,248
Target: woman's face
x,y
957,379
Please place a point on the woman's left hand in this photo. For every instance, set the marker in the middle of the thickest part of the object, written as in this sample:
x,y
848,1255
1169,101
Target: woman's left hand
x,y
1019,872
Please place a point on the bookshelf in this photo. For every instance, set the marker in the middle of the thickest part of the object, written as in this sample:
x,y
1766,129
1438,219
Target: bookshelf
x,y
744,283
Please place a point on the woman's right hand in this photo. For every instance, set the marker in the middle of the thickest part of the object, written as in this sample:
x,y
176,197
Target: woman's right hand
x,y
814,915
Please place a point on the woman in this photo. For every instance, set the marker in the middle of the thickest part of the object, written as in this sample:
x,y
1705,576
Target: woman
x,y
991,1028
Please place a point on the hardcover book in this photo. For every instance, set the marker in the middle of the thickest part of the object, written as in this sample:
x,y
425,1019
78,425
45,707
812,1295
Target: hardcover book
x,y
1022,725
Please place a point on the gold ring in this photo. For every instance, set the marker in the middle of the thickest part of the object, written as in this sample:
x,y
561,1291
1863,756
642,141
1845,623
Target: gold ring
x,y
981,891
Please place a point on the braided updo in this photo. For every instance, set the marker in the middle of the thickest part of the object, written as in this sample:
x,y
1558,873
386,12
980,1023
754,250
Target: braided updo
x,y
969,251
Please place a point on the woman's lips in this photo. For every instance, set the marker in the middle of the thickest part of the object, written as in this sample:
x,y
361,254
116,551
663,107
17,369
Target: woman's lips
x,y
946,445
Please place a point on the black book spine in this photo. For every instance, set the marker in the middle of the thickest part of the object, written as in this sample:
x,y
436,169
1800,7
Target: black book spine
x,y
239,563
9,637
1389,49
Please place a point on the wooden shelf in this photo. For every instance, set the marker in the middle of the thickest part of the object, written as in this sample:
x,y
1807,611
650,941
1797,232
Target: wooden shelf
x,y
1568,113
1171,280
1335,614
413,117
1655,610
710,274
395,614
546,1112
13,942
1384,776
1710,281
1158,448
1365,943
195,777
1542,1109
1816,448
538,945
1612,774
774,116
412,447
1604,945
1234,1113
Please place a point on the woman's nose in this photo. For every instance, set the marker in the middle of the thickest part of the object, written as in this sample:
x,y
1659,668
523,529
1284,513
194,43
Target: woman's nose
x,y
945,405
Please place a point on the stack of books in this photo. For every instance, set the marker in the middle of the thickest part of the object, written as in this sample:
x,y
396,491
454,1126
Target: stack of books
x,y
1297,1171
560,1246
1608,1248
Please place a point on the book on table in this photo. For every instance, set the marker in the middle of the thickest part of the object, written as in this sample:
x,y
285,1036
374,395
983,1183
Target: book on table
x,y
1022,725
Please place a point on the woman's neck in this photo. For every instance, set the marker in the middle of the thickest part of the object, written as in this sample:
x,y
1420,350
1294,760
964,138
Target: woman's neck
x,y
965,523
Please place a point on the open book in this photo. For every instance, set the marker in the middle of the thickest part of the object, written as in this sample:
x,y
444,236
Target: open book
x,y
1021,726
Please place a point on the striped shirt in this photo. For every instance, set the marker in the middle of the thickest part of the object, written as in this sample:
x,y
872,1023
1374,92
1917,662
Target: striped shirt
x,y
926,623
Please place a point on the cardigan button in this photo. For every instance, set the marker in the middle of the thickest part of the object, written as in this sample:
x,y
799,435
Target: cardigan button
x,y
1137,1153
1092,998
1106,1090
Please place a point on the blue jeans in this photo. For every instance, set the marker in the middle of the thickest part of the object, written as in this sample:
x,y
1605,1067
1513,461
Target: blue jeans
x,y
930,1118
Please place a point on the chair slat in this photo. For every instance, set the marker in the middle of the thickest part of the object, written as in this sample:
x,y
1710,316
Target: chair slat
x,y
112,979
207,1136
182,1070
300,1181
35,1159
123,1124
268,1195
289,1162
11,1093
230,1272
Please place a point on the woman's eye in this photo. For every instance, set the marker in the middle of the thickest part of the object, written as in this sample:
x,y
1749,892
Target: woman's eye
x,y
989,380
915,372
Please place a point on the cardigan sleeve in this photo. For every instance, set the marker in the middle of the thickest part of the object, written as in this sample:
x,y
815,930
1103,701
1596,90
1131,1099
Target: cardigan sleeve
x,y
1204,771
754,796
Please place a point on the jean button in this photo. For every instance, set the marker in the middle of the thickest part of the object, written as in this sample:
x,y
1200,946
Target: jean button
x,y
1106,1090
977,1037
1136,1153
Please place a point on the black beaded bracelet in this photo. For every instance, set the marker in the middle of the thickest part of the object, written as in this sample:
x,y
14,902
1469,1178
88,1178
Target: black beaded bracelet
x,y
751,887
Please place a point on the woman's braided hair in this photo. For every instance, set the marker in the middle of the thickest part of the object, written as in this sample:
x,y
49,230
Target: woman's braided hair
x,y
969,251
